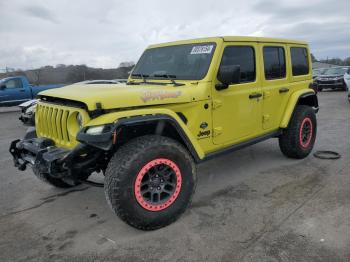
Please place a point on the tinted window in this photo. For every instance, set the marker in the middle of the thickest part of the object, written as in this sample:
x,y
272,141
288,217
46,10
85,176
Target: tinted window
x,y
179,61
14,83
242,56
300,61
274,62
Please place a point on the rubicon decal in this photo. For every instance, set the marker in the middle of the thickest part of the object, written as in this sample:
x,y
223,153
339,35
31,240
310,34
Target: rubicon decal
x,y
159,95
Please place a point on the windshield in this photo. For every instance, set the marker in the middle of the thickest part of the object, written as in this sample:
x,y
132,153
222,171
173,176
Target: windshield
x,y
336,71
185,62
316,72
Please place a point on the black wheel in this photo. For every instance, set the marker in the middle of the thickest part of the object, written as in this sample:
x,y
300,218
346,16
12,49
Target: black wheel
x,y
56,182
298,139
150,181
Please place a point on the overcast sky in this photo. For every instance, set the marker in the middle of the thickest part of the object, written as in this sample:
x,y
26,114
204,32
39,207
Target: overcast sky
x,y
104,33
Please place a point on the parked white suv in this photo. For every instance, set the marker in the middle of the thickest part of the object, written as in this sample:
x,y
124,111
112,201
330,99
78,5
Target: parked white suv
x,y
347,82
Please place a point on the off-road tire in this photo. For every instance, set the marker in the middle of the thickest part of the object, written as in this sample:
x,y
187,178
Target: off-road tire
x,y
56,182
291,142
123,173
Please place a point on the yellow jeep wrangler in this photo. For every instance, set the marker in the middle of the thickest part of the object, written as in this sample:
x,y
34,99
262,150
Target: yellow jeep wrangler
x,y
184,102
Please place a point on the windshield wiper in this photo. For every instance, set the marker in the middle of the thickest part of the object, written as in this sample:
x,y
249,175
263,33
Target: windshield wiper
x,y
170,77
143,76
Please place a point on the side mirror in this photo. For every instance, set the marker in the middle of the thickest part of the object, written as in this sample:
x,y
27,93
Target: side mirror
x,y
2,87
228,75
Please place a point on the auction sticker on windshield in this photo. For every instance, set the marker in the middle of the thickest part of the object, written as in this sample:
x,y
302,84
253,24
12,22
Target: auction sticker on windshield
x,y
201,49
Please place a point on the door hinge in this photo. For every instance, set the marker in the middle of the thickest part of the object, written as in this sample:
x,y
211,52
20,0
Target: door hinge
x,y
266,118
217,103
217,131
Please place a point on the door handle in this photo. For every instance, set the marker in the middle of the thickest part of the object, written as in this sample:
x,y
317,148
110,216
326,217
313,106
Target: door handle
x,y
255,95
22,90
284,90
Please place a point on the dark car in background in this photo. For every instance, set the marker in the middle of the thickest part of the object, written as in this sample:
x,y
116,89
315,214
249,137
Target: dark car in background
x,y
332,78
317,72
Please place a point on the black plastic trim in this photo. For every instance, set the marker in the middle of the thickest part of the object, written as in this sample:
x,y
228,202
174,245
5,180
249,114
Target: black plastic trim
x,y
159,117
314,97
104,141
241,145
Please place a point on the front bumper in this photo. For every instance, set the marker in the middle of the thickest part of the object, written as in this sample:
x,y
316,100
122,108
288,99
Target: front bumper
x,y
44,157
330,84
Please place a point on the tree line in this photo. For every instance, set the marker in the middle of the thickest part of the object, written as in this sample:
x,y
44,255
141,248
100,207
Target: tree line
x,y
67,74
333,61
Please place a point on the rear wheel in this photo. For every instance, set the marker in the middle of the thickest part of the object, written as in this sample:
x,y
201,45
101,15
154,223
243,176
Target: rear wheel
x,y
150,182
298,139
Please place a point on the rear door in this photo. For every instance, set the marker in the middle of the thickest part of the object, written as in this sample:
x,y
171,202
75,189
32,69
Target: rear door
x,y
275,83
237,109
14,93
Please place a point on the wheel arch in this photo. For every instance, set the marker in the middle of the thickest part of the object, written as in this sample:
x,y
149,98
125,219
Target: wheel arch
x,y
160,124
302,97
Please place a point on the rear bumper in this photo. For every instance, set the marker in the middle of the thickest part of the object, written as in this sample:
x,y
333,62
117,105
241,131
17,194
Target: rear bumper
x,y
44,157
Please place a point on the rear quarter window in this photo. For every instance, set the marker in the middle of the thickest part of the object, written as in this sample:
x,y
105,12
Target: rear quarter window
x,y
300,61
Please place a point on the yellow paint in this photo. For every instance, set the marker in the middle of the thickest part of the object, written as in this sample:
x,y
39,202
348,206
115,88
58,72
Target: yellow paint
x,y
231,117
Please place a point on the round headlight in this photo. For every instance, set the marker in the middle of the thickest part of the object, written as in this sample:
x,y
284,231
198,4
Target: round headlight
x,y
80,120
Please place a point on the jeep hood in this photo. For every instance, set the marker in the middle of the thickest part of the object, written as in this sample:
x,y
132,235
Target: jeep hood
x,y
112,96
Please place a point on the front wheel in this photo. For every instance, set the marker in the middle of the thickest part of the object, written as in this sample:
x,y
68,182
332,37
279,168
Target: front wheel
x,y
150,181
298,139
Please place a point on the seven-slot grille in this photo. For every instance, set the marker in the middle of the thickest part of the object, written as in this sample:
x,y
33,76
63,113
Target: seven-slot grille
x,y
53,122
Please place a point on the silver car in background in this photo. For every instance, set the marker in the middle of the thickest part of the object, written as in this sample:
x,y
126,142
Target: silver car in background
x,y
347,82
332,78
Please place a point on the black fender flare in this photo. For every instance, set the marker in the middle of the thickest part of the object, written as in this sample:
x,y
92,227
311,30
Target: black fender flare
x,y
105,140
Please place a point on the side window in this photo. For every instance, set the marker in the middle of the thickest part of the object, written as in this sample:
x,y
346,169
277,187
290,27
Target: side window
x,y
300,61
13,83
243,56
274,62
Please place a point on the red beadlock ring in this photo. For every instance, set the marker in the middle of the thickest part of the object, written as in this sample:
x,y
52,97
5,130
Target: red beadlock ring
x,y
146,204
309,135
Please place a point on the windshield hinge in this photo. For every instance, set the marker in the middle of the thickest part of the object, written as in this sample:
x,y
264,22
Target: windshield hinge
x,y
217,103
217,131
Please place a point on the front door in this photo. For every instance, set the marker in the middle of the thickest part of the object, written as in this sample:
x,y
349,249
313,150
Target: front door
x,y
237,109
